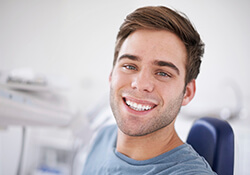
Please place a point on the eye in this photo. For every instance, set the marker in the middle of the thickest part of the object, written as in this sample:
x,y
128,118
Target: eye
x,y
163,74
129,67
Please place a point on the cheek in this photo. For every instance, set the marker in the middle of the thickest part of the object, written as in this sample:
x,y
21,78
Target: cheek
x,y
118,80
170,92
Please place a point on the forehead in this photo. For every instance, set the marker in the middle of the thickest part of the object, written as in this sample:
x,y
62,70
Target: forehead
x,y
154,42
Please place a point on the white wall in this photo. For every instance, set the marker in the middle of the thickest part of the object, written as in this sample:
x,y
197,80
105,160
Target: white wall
x,y
75,39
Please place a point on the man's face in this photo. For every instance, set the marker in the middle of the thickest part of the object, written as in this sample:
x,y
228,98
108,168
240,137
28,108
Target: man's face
x,y
147,86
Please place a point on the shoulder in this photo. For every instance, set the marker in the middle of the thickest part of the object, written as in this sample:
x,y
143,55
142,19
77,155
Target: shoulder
x,y
101,148
190,162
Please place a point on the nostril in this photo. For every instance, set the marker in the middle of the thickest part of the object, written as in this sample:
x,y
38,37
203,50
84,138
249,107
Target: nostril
x,y
143,86
143,81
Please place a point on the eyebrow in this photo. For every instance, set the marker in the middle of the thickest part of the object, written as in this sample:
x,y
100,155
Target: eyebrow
x,y
157,62
167,64
131,57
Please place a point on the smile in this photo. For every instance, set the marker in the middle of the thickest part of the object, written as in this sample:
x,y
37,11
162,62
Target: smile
x,y
138,106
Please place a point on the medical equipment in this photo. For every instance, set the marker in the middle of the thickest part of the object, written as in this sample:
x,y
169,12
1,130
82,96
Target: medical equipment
x,y
27,99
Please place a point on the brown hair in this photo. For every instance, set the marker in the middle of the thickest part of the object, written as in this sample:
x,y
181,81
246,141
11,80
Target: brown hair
x,y
163,18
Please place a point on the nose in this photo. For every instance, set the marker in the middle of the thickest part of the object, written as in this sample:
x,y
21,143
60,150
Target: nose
x,y
143,81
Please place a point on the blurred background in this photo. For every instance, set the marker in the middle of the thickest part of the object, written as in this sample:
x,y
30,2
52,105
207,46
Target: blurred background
x,y
55,60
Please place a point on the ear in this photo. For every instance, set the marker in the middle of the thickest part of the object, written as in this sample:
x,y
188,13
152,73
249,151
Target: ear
x,y
189,92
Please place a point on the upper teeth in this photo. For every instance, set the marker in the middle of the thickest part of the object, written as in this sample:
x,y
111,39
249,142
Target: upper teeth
x,y
138,107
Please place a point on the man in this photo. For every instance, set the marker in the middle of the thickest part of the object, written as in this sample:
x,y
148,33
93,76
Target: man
x,y
156,61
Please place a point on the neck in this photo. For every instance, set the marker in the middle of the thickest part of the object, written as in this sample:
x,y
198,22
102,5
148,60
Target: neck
x,y
148,146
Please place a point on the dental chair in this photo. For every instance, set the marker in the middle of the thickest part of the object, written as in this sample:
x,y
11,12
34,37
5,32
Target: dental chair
x,y
213,139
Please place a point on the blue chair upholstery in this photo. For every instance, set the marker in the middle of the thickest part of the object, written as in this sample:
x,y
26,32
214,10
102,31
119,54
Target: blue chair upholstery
x,y
213,139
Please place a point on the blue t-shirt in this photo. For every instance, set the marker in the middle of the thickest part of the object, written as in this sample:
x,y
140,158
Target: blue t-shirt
x,y
103,159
